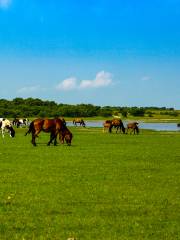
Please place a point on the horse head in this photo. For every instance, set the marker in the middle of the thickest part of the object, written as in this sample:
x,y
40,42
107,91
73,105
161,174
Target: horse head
x,y
12,132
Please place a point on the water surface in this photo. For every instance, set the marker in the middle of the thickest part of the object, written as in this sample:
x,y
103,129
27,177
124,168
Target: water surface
x,y
142,125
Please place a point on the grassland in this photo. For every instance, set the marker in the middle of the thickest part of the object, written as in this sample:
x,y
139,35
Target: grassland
x,y
105,186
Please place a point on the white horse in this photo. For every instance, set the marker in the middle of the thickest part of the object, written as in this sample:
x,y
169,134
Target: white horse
x,y
6,124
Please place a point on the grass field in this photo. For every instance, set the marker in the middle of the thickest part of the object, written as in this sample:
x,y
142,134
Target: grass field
x,y
105,186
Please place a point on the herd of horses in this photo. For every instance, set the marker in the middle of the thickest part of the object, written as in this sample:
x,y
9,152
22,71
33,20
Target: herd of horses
x,y
118,125
20,122
57,127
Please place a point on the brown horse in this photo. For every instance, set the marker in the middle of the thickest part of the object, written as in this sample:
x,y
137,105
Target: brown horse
x,y
67,135
134,127
107,125
118,124
53,126
80,121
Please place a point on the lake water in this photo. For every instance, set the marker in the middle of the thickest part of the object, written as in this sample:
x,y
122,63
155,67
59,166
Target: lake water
x,y
142,125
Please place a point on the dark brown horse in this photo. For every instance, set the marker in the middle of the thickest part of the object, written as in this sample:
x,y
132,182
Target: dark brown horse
x,y
134,127
53,126
79,121
67,135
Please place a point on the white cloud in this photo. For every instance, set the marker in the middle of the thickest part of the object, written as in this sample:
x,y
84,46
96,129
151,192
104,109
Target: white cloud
x,y
28,89
5,3
67,84
102,79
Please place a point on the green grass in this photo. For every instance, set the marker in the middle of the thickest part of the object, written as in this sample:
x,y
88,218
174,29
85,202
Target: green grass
x,y
105,186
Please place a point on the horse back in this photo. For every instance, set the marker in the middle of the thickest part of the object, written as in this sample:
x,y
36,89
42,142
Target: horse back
x,y
53,125
132,125
46,125
117,122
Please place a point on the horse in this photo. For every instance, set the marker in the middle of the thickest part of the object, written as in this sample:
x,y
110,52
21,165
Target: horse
x,y
118,124
107,125
20,122
52,126
134,127
6,124
67,135
80,121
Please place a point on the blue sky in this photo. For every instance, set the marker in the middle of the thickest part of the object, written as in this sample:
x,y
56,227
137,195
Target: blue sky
x,y
102,52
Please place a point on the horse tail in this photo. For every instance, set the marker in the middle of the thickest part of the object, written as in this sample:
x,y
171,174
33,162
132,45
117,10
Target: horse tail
x,y
31,128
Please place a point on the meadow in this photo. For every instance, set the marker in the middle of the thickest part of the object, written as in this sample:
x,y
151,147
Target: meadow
x,y
105,186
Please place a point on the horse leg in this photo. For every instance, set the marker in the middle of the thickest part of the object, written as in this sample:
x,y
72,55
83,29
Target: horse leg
x,y
137,130
34,135
33,139
55,136
2,132
62,139
123,129
52,136
118,128
110,129
55,140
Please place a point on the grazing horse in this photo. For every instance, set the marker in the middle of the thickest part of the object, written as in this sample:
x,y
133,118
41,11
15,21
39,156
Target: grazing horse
x,y
6,124
67,135
107,125
118,124
20,122
134,127
52,126
80,121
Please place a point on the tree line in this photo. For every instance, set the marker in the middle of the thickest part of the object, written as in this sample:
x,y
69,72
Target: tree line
x,y
35,107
